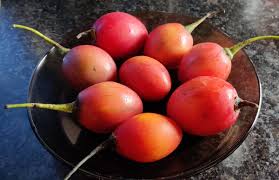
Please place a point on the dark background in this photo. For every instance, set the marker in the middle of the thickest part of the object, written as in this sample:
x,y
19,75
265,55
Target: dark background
x,y
23,157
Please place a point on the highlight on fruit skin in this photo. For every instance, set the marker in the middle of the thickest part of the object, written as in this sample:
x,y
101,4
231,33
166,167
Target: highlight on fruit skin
x,y
205,105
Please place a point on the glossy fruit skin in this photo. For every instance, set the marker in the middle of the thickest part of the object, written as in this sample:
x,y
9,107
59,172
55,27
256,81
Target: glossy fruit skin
x,y
103,106
146,76
205,59
120,34
86,65
147,137
204,106
168,43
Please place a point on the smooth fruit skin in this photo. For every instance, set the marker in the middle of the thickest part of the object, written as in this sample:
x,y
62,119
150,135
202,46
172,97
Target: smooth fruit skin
x,y
147,137
103,106
146,76
120,34
204,106
205,59
168,43
86,65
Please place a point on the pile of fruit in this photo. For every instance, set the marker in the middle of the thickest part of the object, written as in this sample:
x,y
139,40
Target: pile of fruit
x,y
110,98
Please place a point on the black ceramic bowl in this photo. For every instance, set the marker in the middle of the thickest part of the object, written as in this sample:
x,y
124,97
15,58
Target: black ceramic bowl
x,y
67,141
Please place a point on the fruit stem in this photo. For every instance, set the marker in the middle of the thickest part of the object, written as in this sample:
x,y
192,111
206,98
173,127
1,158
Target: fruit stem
x,y
234,49
62,49
84,33
100,147
191,27
69,107
242,103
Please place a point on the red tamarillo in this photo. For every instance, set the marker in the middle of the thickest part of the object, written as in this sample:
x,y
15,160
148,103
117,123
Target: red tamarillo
x,y
146,137
205,105
146,76
210,59
167,43
83,65
120,34
100,107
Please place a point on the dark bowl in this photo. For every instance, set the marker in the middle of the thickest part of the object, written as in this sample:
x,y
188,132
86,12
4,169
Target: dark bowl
x,y
66,140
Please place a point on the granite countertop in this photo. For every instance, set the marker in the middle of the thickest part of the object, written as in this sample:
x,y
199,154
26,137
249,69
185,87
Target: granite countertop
x,y
23,157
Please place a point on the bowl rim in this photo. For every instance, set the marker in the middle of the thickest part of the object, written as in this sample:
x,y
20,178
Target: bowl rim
x,y
190,173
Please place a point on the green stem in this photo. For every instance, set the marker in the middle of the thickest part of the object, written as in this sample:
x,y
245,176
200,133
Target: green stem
x,y
69,107
234,49
191,27
102,146
62,49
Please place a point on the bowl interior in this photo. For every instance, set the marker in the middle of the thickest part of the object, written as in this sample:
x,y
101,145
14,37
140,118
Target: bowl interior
x,y
64,138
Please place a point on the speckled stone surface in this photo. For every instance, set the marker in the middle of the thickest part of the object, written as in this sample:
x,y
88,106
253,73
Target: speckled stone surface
x,y
23,157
